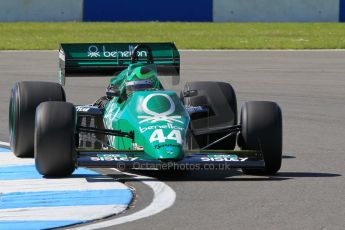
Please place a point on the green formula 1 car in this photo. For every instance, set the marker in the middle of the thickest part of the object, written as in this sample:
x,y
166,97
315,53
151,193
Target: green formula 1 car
x,y
139,123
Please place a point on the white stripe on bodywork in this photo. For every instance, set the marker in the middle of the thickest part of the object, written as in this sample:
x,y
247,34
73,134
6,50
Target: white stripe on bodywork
x,y
60,213
66,184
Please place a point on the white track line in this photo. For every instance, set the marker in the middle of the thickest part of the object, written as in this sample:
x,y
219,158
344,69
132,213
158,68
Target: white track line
x,y
164,197
85,212
12,160
66,184
5,144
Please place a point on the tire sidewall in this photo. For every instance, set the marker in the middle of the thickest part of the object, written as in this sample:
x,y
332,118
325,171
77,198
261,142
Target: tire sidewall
x,y
25,97
55,151
262,131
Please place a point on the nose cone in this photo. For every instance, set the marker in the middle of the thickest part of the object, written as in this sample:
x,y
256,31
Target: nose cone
x,y
168,152
164,140
162,123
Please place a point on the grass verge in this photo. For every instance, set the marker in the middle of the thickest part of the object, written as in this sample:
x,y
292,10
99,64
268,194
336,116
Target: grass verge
x,y
48,36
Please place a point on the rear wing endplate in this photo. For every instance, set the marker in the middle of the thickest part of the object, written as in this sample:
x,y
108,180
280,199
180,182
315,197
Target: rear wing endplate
x,y
106,59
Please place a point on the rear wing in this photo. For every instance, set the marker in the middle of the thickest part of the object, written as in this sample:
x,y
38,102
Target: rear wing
x,y
106,59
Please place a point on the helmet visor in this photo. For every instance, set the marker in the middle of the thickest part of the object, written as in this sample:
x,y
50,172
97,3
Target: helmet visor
x,y
138,85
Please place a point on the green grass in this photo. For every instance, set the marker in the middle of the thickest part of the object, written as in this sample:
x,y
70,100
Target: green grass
x,y
48,36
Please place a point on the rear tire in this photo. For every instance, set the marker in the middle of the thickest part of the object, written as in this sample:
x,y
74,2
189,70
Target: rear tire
x,y
25,97
55,126
220,97
262,130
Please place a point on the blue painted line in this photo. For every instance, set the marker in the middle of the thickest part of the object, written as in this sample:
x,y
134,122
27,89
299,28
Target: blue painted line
x,y
4,150
24,201
19,172
23,172
34,225
341,10
65,198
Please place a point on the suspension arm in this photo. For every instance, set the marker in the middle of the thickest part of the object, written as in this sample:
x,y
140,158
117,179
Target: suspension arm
x,y
110,132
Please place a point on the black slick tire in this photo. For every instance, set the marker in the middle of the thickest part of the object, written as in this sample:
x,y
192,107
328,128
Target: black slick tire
x,y
262,130
55,152
25,97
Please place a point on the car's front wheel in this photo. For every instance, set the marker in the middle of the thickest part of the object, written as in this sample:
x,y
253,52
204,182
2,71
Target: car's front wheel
x,y
55,153
262,130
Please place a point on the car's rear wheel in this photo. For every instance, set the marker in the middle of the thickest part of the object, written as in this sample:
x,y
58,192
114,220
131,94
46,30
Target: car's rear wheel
x,y
55,127
262,130
25,97
220,99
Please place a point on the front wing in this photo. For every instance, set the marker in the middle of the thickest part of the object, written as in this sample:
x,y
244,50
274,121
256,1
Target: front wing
x,y
194,160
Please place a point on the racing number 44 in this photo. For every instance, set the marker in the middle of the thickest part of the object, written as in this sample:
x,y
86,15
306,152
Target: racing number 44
x,y
158,135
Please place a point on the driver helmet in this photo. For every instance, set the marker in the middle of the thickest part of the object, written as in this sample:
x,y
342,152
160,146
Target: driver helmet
x,y
141,78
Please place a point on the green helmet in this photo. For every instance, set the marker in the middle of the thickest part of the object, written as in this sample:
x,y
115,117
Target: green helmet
x,y
141,78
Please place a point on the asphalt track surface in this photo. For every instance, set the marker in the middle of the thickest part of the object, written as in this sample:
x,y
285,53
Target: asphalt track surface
x,y
309,190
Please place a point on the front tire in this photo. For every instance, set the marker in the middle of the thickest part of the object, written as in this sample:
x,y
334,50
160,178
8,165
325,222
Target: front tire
x,y
55,126
262,130
25,97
